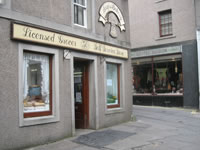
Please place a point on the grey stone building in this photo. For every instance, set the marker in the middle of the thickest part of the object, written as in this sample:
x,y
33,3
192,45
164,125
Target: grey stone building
x,y
64,65
164,52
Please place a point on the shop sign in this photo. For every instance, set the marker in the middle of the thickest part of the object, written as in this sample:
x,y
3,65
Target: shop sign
x,y
157,51
36,35
106,11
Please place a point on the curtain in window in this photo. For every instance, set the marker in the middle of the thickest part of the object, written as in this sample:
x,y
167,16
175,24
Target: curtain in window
x,y
43,60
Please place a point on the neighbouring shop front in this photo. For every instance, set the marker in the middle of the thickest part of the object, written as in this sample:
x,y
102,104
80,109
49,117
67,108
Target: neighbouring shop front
x,y
158,81
158,77
165,75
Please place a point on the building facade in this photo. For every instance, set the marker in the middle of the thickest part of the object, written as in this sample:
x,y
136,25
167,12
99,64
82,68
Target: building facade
x,y
64,65
164,53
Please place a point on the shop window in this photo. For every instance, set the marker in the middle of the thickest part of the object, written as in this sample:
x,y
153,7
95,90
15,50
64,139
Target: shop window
x,y
168,77
142,78
158,77
165,22
80,7
113,85
37,83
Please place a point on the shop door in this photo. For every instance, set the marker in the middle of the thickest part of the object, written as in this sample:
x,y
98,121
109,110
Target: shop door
x,y
81,94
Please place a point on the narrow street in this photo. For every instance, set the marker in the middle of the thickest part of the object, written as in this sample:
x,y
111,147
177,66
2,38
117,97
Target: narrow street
x,y
155,128
167,128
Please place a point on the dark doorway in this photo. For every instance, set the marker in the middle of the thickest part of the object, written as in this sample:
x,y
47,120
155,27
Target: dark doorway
x,y
81,93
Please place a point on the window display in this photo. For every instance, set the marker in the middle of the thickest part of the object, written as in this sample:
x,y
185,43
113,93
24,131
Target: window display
x,y
112,84
37,79
164,77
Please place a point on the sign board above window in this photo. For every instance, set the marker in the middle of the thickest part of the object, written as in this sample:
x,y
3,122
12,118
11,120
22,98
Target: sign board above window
x,y
156,51
41,36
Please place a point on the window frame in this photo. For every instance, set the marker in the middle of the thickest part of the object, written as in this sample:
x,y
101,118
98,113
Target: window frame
x,y
168,24
49,112
84,14
54,116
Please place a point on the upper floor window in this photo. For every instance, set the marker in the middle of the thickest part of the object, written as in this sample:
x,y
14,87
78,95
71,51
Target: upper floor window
x,y
80,17
165,22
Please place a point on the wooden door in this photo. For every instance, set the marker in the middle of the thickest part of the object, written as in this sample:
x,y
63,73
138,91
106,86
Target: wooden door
x,y
81,94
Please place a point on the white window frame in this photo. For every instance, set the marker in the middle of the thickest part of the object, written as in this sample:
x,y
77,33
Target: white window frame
x,y
84,15
55,117
122,86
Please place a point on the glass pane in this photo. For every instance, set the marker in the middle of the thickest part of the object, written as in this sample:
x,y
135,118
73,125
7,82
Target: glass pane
x,y
80,15
36,83
170,18
112,84
170,30
142,78
76,14
78,75
168,77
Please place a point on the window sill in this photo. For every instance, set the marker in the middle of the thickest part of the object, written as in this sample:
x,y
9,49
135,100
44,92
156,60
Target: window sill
x,y
39,120
114,110
80,26
165,37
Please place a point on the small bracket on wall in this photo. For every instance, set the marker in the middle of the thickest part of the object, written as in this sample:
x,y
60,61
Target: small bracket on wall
x,y
67,54
102,59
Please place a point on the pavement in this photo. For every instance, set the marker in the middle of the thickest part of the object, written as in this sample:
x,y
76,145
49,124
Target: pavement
x,y
152,128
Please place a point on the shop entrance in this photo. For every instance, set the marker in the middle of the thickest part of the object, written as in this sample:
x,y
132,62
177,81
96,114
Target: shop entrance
x,y
81,93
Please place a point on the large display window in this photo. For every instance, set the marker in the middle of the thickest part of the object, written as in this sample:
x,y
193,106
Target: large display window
x,y
158,75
